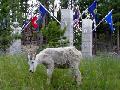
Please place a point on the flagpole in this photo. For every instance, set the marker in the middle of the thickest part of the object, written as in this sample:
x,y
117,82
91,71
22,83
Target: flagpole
x,y
99,24
50,13
102,20
84,11
108,13
25,26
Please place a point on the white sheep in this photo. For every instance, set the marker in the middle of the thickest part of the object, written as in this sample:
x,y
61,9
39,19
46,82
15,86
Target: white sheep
x,y
51,58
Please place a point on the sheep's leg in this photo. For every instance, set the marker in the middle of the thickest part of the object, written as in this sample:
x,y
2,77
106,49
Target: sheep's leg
x,y
76,74
49,73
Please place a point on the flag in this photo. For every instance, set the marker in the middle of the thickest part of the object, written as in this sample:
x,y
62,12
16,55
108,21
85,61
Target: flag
x,y
108,19
92,7
76,14
33,22
42,11
40,23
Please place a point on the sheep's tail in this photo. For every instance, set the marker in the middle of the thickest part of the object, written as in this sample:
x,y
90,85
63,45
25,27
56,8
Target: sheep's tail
x,y
80,54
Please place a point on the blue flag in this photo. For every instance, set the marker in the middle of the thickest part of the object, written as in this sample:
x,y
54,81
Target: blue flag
x,y
108,19
42,10
76,15
92,7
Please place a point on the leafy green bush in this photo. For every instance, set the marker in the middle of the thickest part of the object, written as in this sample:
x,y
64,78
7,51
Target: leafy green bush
x,y
5,39
54,35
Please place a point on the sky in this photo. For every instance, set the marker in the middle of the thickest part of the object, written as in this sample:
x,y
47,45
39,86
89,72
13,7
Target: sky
x,y
32,7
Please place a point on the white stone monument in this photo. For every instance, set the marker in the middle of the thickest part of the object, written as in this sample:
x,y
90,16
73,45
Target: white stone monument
x,y
16,44
87,37
67,21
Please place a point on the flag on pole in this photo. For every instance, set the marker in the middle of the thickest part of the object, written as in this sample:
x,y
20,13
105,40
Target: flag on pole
x,y
33,22
92,7
45,10
76,14
108,19
24,24
42,11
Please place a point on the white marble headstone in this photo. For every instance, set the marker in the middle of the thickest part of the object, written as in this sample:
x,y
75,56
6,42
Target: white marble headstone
x,y
87,37
67,21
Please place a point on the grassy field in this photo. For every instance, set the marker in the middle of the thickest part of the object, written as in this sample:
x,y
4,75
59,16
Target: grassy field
x,y
99,73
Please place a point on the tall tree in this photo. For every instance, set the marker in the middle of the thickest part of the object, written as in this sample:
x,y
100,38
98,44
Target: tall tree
x,y
10,11
5,32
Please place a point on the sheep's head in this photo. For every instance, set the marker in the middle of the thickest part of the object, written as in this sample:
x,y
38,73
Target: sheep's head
x,y
33,65
31,54
32,62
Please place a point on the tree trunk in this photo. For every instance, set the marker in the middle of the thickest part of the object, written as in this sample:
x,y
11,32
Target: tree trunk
x,y
95,43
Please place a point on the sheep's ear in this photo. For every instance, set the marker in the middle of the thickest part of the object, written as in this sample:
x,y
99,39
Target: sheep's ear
x,y
28,56
33,58
34,55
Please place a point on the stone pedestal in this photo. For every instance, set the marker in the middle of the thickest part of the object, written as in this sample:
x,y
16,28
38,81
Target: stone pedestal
x,y
67,21
16,44
15,47
87,37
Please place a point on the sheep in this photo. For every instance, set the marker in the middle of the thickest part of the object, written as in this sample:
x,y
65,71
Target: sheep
x,y
63,57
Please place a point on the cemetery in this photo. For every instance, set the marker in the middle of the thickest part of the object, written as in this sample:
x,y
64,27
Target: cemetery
x,y
59,45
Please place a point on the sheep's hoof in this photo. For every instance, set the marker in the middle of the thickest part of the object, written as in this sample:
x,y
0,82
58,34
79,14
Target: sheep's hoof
x,y
79,83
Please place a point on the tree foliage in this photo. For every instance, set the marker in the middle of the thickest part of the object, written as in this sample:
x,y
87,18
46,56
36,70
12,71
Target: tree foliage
x,y
54,35
10,11
5,32
52,32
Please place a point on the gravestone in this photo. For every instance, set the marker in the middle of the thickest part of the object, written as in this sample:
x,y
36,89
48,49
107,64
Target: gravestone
x,y
87,37
67,21
16,44
15,47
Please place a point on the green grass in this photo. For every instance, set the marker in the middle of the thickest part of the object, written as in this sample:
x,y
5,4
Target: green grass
x,y
99,73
